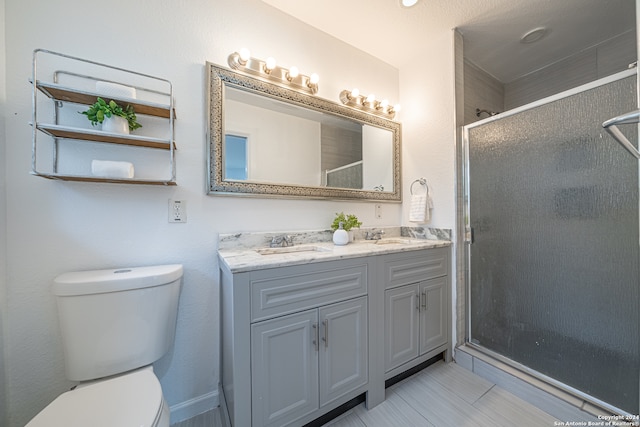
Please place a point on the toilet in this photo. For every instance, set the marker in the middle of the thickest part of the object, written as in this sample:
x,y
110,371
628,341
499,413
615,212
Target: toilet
x,y
114,325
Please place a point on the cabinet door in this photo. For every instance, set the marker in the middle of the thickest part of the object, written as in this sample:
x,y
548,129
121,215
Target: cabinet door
x,y
433,314
343,348
401,325
284,369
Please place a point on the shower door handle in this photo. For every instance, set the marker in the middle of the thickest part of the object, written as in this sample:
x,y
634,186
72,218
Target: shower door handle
x,y
611,126
469,235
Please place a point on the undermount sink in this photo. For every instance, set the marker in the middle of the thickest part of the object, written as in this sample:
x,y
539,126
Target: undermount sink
x,y
291,249
394,241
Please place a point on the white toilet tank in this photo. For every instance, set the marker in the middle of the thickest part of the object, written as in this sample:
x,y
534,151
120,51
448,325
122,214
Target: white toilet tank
x,y
113,321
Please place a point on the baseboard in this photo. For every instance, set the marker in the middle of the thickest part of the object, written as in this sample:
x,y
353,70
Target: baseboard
x,y
192,407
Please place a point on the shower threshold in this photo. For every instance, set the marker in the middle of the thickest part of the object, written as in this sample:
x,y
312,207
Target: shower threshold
x,y
551,396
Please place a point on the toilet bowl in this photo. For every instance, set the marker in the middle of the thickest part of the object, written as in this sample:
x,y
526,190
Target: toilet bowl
x,y
114,325
132,399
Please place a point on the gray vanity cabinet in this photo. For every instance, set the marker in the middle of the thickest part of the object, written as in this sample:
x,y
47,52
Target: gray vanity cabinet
x,y
304,361
299,340
284,366
416,308
295,340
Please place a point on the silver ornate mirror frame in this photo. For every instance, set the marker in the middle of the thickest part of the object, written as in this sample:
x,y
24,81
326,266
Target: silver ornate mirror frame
x,y
218,78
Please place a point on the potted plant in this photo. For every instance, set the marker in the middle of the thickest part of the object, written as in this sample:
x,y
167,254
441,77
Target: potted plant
x,y
348,222
112,116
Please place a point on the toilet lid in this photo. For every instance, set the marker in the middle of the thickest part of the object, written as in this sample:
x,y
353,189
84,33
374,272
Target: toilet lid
x,y
133,399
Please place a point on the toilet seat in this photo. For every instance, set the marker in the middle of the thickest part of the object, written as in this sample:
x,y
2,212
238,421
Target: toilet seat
x,y
133,399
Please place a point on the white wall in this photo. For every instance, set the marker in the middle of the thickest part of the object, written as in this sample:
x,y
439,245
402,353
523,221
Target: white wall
x,y
54,227
3,220
427,91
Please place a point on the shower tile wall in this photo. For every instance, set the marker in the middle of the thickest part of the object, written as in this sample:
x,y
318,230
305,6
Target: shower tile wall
x,y
480,91
483,91
600,61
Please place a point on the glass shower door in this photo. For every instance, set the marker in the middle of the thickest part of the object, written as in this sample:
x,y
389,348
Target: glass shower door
x,y
554,275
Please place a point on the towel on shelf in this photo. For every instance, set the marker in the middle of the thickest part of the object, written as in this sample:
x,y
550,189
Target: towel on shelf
x,y
421,205
111,169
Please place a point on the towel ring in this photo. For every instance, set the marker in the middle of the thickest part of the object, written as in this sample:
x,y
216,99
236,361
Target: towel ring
x,y
422,182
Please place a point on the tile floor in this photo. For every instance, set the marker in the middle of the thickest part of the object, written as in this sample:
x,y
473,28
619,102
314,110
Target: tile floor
x,y
441,395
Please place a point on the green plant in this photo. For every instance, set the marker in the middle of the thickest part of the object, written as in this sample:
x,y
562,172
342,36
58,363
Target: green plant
x,y
101,109
348,221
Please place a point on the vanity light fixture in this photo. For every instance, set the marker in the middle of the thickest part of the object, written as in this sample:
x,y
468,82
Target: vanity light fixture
x,y
368,103
268,69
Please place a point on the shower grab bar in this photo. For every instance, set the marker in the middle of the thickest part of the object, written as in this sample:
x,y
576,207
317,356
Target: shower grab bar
x,y
611,126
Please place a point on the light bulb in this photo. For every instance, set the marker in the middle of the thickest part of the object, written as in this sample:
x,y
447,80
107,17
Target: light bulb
x,y
396,108
314,79
384,104
245,55
293,72
371,98
269,64
355,92
408,3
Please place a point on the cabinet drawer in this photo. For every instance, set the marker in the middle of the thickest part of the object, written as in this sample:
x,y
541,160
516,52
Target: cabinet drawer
x,y
286,290
403,269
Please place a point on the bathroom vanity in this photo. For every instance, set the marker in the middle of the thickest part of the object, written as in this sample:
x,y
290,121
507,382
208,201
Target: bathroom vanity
x,y
307,328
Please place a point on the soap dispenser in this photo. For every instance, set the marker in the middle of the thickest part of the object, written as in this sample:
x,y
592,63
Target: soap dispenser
x,y
340,236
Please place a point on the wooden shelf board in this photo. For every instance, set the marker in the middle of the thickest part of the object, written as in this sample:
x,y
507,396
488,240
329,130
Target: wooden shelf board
x,y
79,178
67,132
62,93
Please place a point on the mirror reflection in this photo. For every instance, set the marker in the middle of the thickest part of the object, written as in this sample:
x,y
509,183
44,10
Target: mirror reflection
x,y
270,140
321,149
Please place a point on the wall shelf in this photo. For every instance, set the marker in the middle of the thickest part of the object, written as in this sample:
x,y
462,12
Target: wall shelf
x,y
103,180
67,132
80,89
62,93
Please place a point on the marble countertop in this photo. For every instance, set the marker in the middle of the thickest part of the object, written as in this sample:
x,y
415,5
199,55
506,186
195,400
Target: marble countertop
x,y
245,259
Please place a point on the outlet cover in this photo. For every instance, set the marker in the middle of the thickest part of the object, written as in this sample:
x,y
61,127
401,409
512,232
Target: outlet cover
x,y
177,211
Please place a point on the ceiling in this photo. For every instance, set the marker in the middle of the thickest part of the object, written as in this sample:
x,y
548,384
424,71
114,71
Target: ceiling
x,y
491,28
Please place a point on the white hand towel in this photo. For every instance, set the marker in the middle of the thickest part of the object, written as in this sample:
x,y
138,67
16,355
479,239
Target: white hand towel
x,y
421,205
419,210
110,169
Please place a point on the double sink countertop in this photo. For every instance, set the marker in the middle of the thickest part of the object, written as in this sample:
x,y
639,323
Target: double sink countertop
x,y
245,252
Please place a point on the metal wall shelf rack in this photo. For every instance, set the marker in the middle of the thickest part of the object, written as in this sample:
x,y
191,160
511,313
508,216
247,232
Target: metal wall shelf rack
x,y
47,83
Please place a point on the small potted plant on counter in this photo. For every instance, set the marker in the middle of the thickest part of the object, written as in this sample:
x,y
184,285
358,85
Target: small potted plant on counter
x,y
348,222
112,116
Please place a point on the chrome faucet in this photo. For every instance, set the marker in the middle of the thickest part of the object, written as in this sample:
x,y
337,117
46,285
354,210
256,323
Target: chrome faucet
x,y
281,241
373,235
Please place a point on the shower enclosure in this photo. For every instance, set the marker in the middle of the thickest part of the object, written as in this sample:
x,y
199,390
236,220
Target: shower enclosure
x,y
552,203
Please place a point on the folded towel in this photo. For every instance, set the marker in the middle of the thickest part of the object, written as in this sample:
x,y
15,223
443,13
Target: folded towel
x,y
110,169
420,209
115,90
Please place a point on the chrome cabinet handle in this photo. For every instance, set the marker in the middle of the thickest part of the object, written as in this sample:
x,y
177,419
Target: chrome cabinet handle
x,y
315,336
423,299
418,301
611,126
325,323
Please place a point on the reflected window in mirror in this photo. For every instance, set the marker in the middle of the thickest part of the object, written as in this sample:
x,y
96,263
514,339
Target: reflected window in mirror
x,y
235,159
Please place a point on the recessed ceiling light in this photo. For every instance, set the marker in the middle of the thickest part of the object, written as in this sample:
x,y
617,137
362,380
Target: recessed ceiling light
x,y
534,35
408,3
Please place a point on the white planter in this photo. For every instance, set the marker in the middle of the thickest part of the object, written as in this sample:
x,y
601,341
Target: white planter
x,y
115,124
340,237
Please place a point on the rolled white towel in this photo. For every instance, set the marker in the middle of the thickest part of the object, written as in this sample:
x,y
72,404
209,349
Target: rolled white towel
x,y
111,169
115,90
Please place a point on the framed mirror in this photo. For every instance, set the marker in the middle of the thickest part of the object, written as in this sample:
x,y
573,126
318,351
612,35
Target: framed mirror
x,y
267,140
